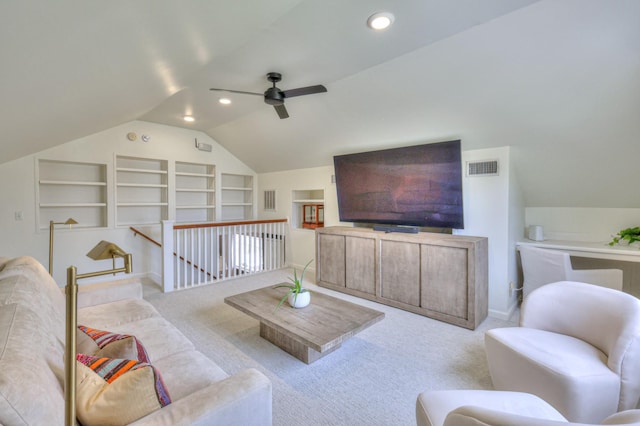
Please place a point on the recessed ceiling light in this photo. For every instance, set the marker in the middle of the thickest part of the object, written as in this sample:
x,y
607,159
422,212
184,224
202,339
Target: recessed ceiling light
x,y
188,118
224,101
380,21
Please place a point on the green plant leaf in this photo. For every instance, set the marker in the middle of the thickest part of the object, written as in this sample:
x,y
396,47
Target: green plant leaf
x,y
295,288
282,301
630,235
305,269
290,287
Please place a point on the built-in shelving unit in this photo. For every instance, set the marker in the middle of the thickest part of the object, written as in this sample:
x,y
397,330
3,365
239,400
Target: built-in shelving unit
x,y
300,198
195,192
72,190
237,197
141,191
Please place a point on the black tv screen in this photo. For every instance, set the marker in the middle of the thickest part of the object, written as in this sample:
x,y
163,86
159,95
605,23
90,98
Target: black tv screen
x,y
417,185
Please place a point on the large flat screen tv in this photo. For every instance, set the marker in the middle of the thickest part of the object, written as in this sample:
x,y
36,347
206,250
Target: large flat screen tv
x,y
417,185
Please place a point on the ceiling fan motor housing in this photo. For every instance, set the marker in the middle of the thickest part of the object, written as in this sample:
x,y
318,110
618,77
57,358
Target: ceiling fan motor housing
x,y
273,96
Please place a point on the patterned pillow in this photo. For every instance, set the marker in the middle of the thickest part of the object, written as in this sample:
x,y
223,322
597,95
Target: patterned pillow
x,y
117,391
109,345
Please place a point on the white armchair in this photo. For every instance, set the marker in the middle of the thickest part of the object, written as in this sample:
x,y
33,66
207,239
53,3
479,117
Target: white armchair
x,y
577,347
497,408
433,407
542,266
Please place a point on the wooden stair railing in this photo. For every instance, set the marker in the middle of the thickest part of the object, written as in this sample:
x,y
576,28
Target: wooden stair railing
x,y
146,237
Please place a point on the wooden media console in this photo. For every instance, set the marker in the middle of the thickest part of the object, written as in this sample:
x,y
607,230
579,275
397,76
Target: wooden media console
x,y
440,276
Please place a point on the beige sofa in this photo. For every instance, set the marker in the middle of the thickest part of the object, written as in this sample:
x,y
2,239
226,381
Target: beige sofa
x,y
32,335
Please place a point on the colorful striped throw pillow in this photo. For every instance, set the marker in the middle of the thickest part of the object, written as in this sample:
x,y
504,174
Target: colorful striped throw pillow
x,y
117,391
110,345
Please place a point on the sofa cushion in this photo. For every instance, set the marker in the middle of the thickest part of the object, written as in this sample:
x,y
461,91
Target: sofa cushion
x,y
187,372
117,391
139,318
109,316
109,291
102,343
31,369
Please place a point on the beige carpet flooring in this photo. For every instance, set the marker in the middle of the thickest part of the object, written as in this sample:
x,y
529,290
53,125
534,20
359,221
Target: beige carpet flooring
x,y
373,379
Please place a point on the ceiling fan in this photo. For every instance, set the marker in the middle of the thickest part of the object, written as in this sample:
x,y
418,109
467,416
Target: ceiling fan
x,y
274,96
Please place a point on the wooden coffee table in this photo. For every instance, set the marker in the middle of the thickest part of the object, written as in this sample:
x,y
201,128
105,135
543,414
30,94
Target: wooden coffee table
x,y
308,333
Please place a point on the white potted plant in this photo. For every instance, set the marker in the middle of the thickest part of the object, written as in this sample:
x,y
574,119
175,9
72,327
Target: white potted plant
x,y
297,296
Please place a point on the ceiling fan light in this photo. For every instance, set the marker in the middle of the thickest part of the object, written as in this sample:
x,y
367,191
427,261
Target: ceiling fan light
x,y
189,118
224,101
380,21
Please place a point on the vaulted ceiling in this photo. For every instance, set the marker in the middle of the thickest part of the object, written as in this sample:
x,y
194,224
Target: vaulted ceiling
x,y
557,80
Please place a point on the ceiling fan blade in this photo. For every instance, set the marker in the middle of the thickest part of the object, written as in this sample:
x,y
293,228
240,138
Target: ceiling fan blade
x,y
237,91
304,91
282,111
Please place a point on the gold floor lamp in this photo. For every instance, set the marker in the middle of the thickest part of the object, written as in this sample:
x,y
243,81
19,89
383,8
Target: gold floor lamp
x,y
104,250
52,225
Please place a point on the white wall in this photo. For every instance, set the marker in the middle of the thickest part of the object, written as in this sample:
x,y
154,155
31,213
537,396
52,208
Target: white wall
x,y
18,187
488,213
581,224
301,247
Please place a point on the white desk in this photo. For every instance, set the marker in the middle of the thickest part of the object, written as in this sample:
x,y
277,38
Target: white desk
x,y
601,250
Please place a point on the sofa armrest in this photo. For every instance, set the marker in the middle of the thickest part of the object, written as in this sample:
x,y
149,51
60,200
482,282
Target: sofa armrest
x,y
242,399
108,291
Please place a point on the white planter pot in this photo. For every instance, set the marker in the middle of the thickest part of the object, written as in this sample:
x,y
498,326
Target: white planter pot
x,y
301,301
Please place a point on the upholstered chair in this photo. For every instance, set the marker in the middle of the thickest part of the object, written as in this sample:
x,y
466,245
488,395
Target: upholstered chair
x,y
577,347
497,408
541,266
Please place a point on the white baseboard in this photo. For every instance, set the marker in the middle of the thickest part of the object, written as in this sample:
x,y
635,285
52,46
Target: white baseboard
x,y
507,315
156,278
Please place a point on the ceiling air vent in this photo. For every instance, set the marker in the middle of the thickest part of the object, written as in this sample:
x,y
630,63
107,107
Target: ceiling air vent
x,y
482,168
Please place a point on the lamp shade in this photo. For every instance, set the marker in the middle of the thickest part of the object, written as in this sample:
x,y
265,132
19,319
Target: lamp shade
x,y
105,250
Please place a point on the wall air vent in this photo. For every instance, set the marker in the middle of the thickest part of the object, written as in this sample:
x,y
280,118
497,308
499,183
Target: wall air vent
x,y
482,168
270,200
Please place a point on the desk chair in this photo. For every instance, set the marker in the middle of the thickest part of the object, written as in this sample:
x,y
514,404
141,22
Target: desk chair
x,y
542,266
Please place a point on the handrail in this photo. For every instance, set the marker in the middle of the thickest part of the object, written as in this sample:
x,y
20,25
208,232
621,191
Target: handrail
x,y
143,235
146,237
216,224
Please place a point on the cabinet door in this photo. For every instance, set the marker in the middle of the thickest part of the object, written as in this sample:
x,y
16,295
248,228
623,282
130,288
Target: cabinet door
x,y
400,271
361,267
331,259
445,280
